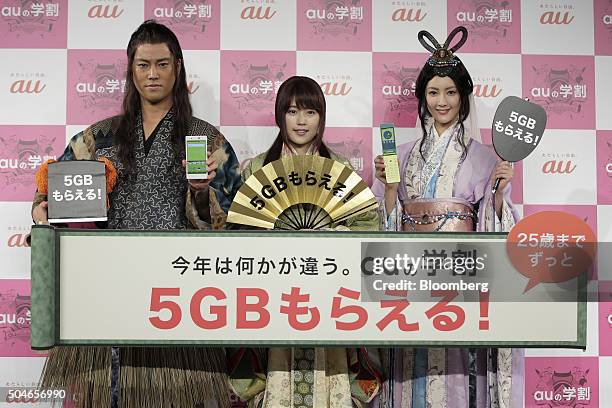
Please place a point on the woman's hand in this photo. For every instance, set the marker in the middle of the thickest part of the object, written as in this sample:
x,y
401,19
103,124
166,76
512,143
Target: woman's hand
x,y
379,166
202,184
505,172
390,188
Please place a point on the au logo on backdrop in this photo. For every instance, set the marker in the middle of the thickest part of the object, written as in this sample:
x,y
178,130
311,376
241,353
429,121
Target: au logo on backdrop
x,y
564,163
116,19
249,81
409,14
96,84
28,83
561,381
347,88
568,22
257,25
396,23
37,24
394,77
105,11
494,26
564,86
22,150
344,25
494,79
17,237
15,318
15,225
33,84
197,24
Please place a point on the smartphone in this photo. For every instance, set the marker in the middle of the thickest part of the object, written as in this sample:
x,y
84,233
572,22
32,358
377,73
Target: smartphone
x,y
387,137
196,153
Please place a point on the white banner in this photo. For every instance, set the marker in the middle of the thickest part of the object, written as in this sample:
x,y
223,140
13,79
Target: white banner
x,y
297,288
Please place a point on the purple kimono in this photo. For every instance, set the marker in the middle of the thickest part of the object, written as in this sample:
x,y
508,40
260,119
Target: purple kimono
x,y
472,181
458,377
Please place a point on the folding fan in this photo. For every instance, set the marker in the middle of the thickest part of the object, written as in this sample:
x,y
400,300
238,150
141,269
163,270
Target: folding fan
x,y
301,192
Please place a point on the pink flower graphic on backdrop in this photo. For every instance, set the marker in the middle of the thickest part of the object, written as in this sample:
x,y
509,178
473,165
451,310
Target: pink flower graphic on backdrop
x,y
491,23
15,319
564,86
101,86
562,389
398,83
19,161
196,23
254,86
334,25
354,144
34,24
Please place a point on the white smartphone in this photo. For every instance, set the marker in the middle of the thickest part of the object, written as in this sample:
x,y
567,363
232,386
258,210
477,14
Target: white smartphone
x,y
196,153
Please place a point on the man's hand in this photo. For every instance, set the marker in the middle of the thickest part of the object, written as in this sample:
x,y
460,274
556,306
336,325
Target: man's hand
x,y
39,214
202,184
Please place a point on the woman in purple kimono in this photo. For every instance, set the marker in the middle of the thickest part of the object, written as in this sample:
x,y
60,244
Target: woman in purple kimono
x,y
446,180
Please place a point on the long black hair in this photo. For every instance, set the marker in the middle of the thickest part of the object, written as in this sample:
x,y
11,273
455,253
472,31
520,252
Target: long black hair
x,y
151,32
307,95
463,81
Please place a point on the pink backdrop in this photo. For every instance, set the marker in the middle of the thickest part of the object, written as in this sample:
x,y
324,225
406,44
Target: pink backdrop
x,y
63,66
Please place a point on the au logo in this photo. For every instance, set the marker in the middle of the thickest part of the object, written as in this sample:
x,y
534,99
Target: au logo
x,y
29,86
557,167
412,15
336,89
483,91
555,17
17,241
257,13
100,11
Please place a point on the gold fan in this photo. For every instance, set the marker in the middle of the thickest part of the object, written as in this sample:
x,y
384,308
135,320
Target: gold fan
x,y
301,192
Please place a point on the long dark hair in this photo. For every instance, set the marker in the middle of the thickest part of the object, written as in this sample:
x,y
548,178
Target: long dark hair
x,y
308,95
151,32
463,81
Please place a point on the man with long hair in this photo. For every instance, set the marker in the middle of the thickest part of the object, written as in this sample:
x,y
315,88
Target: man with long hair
x,y
146,143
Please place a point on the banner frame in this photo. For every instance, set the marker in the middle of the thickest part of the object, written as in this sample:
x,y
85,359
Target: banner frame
x,y
45,302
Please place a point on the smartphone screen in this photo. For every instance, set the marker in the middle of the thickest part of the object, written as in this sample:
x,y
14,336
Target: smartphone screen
x,y
387,137
196,153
